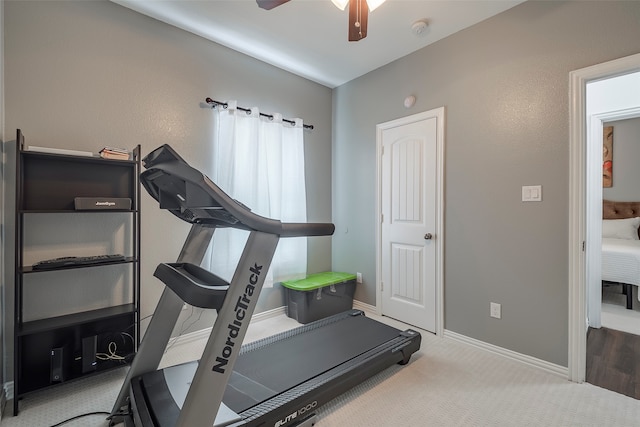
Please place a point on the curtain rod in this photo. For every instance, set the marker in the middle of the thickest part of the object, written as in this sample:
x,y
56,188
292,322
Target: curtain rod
x,y
248,110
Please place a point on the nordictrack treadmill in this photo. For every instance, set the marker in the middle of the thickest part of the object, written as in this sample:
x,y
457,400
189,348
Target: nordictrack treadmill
x,y
278,381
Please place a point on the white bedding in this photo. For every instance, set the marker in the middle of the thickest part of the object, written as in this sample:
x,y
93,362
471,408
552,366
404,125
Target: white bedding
x,y
621,261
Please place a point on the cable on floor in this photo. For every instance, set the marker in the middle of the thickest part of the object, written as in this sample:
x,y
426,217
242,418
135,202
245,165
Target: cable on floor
x,y
80,416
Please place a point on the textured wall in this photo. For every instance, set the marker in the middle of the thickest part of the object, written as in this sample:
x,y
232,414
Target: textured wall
x,y
504,83
81,75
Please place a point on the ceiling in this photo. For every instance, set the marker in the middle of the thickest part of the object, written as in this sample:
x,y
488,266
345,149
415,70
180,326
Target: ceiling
x,y
309,37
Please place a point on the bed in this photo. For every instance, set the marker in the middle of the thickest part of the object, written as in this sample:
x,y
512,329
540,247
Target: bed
x,y
621,245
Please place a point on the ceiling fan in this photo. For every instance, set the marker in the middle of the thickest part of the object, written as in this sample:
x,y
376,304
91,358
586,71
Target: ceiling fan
x,y
358,13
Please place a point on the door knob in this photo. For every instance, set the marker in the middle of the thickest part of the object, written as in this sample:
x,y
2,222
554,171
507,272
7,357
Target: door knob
x,y
428,236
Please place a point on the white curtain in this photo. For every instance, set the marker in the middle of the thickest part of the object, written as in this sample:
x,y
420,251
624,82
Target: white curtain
x,y
260,162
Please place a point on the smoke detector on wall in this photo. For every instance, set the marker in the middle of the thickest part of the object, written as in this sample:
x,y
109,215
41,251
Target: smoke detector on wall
x,y
419,27
409,101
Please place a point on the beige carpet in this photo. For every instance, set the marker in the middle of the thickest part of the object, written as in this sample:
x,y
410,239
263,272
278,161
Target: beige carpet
x,y
447,383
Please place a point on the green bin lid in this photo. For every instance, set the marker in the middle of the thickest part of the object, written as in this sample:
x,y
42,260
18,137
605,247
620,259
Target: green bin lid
x,y
318,280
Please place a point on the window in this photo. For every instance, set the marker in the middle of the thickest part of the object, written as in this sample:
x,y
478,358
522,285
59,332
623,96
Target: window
x,y
260,162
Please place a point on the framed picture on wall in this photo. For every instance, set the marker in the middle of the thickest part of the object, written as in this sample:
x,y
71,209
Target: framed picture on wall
x,y
607,156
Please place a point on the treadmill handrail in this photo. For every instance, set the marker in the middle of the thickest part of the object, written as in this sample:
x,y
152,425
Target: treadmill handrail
x,y
267,225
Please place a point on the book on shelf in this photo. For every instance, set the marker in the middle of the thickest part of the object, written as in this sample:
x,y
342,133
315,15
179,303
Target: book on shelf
x,y
115,153
116,149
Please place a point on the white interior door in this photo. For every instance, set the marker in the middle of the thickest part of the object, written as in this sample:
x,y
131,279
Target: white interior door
x,y
410,236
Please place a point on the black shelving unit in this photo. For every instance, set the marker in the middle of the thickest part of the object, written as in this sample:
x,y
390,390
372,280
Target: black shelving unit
x,y
48,183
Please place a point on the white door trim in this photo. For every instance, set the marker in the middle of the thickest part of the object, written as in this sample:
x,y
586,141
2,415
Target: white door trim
x,y
577,204
439,114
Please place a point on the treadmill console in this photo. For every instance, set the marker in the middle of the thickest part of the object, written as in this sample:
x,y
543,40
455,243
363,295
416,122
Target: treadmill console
x,y
194,198
182,190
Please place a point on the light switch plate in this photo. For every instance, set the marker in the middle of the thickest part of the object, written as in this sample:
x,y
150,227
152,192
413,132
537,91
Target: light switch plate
x,y
532,193
496,310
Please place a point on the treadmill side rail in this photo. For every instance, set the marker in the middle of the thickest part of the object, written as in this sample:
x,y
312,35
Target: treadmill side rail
x,y
225,341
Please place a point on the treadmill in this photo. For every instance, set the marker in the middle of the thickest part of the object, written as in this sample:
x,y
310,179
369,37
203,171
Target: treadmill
x,y
278,381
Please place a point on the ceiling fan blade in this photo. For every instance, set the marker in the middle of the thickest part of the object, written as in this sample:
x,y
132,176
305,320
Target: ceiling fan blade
x,y
358,16
270,4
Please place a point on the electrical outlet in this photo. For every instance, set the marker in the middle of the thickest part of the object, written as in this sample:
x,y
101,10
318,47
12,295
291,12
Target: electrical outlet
x,y
359,277
496,310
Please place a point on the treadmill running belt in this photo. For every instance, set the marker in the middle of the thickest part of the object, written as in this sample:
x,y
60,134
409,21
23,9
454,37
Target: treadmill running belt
x,y
271,367
277,367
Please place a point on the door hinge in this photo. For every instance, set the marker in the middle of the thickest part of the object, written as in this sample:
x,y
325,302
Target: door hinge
x,y
382,150
381,218
381,286
583,245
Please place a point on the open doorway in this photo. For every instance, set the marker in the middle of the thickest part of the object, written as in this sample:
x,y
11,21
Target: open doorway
x,y
608,100
620,307
586,195
613,345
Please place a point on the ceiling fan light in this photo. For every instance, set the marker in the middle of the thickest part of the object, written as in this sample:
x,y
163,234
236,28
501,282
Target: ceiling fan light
x,y
341,4
373,4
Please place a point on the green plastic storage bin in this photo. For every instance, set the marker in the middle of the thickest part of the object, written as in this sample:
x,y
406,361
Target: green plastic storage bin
x,y
319,295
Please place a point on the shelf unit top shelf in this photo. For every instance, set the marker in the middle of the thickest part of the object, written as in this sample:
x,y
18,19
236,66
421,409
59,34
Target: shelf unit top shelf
x,y
79,158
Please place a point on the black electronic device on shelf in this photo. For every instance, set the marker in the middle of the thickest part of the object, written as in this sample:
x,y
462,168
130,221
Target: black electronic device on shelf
x,y
101,203
62,345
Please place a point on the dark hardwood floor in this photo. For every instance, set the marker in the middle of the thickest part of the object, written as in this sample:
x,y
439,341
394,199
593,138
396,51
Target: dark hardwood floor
x,y
613,361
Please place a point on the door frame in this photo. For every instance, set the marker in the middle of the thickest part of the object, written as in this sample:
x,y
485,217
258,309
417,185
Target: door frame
x,y
593,203
439,115
579,213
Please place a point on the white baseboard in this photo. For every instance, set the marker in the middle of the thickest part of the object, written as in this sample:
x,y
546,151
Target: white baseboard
x,y
367,308
519,357
204,333
269,314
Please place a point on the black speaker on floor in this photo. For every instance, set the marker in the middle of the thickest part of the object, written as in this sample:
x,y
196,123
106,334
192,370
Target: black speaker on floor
x,y
58,364
89,347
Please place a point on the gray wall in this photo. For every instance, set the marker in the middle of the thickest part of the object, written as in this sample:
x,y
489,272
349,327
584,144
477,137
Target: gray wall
x,y
626,155
504,83
82,75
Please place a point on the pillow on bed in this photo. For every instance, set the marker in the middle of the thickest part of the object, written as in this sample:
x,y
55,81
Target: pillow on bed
x,y
621,228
